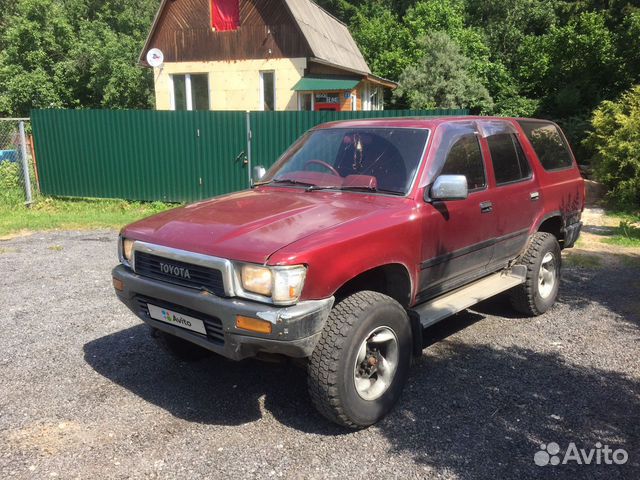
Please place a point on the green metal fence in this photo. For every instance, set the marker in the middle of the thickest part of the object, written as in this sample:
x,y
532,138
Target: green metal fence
x,y
168,156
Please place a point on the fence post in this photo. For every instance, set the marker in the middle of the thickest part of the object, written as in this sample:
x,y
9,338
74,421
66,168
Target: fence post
x,y
25,163
249,164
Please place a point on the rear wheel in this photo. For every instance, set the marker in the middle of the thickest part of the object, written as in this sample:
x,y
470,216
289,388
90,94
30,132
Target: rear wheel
x,y
540,290
360,365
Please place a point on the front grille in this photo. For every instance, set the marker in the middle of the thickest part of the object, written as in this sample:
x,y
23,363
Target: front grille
x,y
200,277
212,325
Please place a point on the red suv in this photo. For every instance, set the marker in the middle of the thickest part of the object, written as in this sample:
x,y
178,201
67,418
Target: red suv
x,y
362,234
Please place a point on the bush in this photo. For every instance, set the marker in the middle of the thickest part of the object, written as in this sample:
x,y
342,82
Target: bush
x,y
11,190
615,141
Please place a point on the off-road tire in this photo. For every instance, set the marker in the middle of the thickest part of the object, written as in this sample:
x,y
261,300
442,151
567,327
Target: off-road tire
x,y
180,348
526,298
331,366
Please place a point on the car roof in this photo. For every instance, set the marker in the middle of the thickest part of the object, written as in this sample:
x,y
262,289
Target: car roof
x,y
408,122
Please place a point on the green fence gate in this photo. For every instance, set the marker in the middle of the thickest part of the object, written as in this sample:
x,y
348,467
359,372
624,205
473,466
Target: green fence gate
x,y
168,156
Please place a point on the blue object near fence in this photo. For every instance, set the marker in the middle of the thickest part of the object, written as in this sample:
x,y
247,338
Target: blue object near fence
x,y
8,156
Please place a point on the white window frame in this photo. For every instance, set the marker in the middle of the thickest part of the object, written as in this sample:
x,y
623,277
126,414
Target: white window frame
x,y
275,99
366,98
300,102
354,100
187,87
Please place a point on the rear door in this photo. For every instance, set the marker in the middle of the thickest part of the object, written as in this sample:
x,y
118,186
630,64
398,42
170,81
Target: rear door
x,y
516,196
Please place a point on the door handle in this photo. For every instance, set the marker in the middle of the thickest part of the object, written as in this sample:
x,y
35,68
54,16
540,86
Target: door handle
x,y
242,156
534,196
486,207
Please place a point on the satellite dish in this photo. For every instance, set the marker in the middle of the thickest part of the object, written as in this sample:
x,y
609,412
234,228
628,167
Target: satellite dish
x,y
155,57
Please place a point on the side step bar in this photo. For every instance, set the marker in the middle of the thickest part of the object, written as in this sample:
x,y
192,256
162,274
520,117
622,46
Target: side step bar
x,y
464,297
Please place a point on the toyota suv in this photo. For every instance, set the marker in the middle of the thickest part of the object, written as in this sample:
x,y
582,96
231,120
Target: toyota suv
x,y
361,235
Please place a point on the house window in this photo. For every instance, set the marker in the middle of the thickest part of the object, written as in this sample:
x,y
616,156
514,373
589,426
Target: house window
x,y
376,99
190,92
267,91
225,15
305,102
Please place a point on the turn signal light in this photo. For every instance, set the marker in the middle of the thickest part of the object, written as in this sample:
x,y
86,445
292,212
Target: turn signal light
x,y
253,324
118,284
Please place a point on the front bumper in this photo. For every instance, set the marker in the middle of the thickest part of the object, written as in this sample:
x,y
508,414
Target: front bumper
x,y
295,329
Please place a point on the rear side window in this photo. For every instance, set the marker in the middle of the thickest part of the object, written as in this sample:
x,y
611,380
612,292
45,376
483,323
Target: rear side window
x,y
465,158
509,162
548,144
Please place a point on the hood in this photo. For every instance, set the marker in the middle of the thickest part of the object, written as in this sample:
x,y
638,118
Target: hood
x,y
251,225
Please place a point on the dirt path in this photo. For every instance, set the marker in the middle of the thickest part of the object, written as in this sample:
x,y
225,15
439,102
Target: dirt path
x,y
591,251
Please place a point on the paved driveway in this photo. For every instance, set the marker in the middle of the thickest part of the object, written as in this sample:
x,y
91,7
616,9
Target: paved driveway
x,y
85,392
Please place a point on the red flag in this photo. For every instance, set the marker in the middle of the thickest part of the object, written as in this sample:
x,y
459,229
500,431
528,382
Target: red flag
x,y
225,14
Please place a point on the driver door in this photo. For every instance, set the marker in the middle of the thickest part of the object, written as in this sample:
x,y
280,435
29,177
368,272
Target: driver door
x,y
458,235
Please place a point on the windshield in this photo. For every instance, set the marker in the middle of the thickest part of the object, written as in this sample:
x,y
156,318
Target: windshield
x,y
376,159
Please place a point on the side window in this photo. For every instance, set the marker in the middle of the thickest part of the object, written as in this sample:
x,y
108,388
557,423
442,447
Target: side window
x,y
508,159
465,158
548,144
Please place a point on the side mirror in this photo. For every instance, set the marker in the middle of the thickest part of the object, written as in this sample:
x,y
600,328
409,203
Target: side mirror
x,y
449,187
258,172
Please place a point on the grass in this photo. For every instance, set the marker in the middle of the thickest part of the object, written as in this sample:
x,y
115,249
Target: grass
x,y
582,260
47,213
73,214
627,233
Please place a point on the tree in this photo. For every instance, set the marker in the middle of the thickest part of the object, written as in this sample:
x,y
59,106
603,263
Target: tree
x,y
442,78
383,40
506,24
615,139
74,53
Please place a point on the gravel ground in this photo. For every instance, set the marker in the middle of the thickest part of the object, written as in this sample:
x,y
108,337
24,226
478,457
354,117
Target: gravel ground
x,y
85,392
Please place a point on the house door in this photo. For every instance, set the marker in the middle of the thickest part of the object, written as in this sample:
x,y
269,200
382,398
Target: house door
x,y
326,101
326,107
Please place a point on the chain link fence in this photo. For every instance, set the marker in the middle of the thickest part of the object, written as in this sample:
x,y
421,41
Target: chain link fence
x,y
18,170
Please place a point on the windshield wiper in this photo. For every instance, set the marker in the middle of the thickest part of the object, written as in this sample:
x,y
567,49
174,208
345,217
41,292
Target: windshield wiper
x,y
371,188
312,188
289,181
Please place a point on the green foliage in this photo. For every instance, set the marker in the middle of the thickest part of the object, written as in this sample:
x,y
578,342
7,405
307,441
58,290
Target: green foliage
x,y
73,53
383,40
79,213
534,57
442,78
11,192
615,139
573,67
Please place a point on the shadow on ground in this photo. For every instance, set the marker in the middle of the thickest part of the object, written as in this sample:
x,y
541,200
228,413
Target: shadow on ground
x,y
481,412
469,410
213,390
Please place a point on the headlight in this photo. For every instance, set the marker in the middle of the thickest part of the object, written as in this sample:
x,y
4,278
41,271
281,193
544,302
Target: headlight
x,y
282,284
127,250
257,280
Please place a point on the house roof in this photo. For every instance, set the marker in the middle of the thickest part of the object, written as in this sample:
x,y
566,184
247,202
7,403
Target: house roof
x,y
329,39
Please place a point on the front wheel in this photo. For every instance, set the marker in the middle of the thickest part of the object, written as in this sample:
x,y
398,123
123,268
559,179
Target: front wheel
x,y
539,291
360,364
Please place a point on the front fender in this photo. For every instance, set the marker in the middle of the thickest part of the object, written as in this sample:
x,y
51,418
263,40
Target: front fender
x,y
340,254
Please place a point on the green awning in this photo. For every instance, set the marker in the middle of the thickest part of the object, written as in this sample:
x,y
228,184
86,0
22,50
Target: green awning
x,y
308,84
